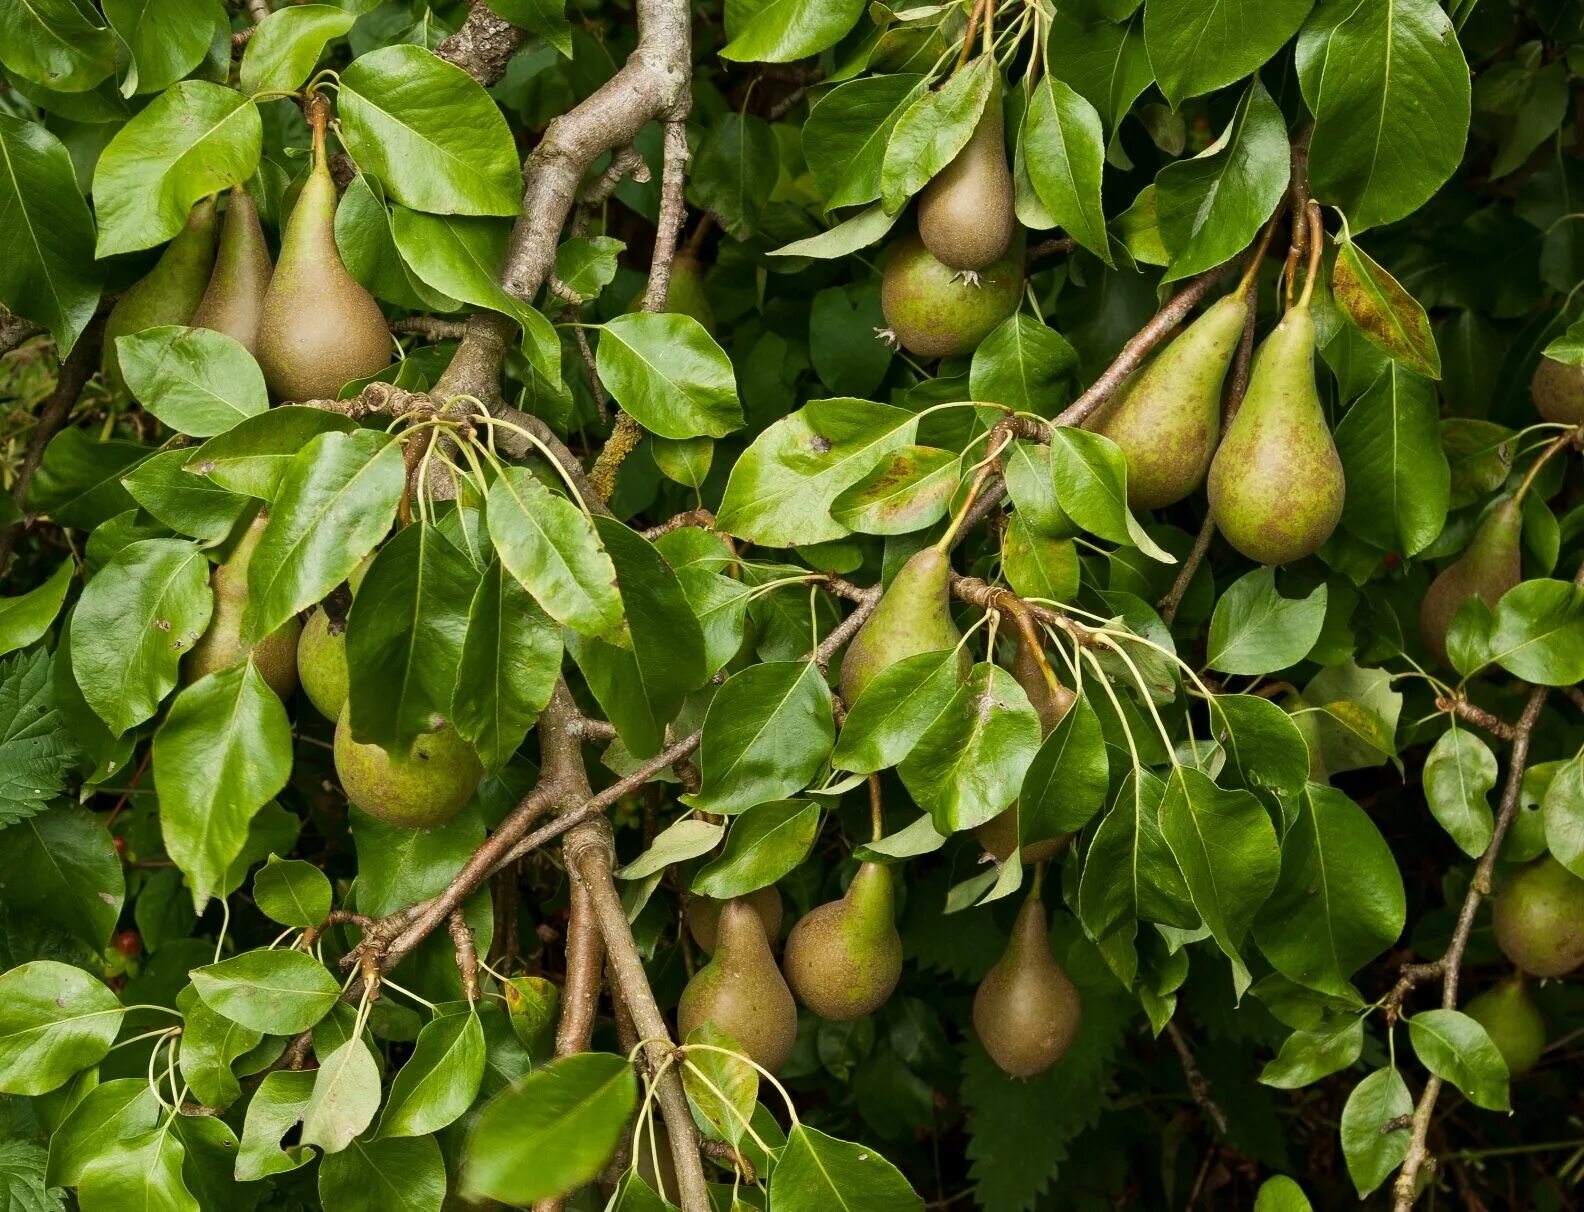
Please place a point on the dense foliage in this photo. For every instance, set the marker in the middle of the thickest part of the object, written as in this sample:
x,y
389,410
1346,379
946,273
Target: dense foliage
x,y
808,531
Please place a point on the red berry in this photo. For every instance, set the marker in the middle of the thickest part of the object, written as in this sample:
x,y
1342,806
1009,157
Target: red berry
x,y
120,844
128,943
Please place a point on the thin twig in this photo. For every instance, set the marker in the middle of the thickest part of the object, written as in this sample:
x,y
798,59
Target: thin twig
x,y
1478,716
1198,1087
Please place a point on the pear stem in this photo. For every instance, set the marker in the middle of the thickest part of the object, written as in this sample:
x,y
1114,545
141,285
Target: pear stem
x,y
1316,234
1037,886
1252,272
1561,443
973,29
986,470
876,812
318,120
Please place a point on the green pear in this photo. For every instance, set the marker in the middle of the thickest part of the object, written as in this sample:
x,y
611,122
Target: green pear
x,y
1538,917
1513,1022
422,787
1558,391
742,991
1026,1011
913,616
933,312
319,329
322,663
844,958
1488,568
220,646
1168,420
1276,483
234,299
702,916
965,215
170,292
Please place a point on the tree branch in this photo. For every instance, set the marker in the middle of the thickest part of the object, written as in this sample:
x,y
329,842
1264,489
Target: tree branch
x,y
14,329
483,45
1198,1087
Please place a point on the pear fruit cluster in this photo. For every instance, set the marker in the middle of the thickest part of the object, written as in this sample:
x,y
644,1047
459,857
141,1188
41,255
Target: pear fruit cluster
x,y
170,293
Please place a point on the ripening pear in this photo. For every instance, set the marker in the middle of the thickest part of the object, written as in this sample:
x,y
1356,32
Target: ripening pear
x,y
1490,566
742,991
914,616
999,835
965,215
1513,1022
322,663
235,298
421,787
169,293
319,328
934,312
1168,419
1026,1011
221,644
1558,391
1538,917
702,916
1276,484
844,958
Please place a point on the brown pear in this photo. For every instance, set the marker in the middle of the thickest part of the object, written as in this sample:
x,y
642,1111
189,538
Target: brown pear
x,y
913,617
843,959
1558,391
170,292
703,916
934,311
220,646
742,991
965,215
1491,565
999,835
419,787
319,329
1538,918
1026,1011
234,300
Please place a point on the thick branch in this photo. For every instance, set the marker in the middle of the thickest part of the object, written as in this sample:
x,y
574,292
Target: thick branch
x,y
483,46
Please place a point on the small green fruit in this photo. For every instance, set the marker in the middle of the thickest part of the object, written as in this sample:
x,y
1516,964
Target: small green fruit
x,y
322,663
1513,1022
742,991
1538,917
933,312
420,789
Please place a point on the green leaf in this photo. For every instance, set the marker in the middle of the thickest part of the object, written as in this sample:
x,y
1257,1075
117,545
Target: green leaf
x,y
818,1173
1563,807
847,356
134,622
1256,630
439,1081
210,1044
48,274
166,39
677,843
142,1174
79,482
550,1132
511,656
1227,850
780,31
429,132
1037,566
401,1175
1022,364
1263,746
335,502
108,1115
907,490
1398,478
895,709
765,843
366,238
1196,46
1067,781
1213,205
1281,1194
969,764
1030,484
1064,149
667,371
197,381
553,550
1371,1153
932,130
782,487
734,171
722,1088
62,866
845,135
286,44
28,616
56,43
1457,1049
1307,1056
275,1109
768,731
1106,62
224,750
1090,474
346,1094
39,741
397,866
1370,74
542,18
276,992
193,140
1339,901
587,264
847,237
54,1021
1458,777
189,504
405,635
1388,316
253,458
292,892
1539,632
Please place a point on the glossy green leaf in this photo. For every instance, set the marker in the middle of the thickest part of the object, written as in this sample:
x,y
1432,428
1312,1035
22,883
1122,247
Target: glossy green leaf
x,y
28,616
1459,774
166,39
210,1044
398,1175
440,1079
667,371
1398,479
818,1173
197,381
1308,1056
1539,632
275,1108
62,866
189,504
846,132
345,1097
1256,630
1067,781
54,1021
142,1174
780,31
277,992
907,490
292,892
110,1114
1457,1049
1196,46
1064,148
1371,1153
287,43
766,842
768,731
253,458
894,711
932,130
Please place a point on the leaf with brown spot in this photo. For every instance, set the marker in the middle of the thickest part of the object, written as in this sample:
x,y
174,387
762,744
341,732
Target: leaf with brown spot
x,y
1387,315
